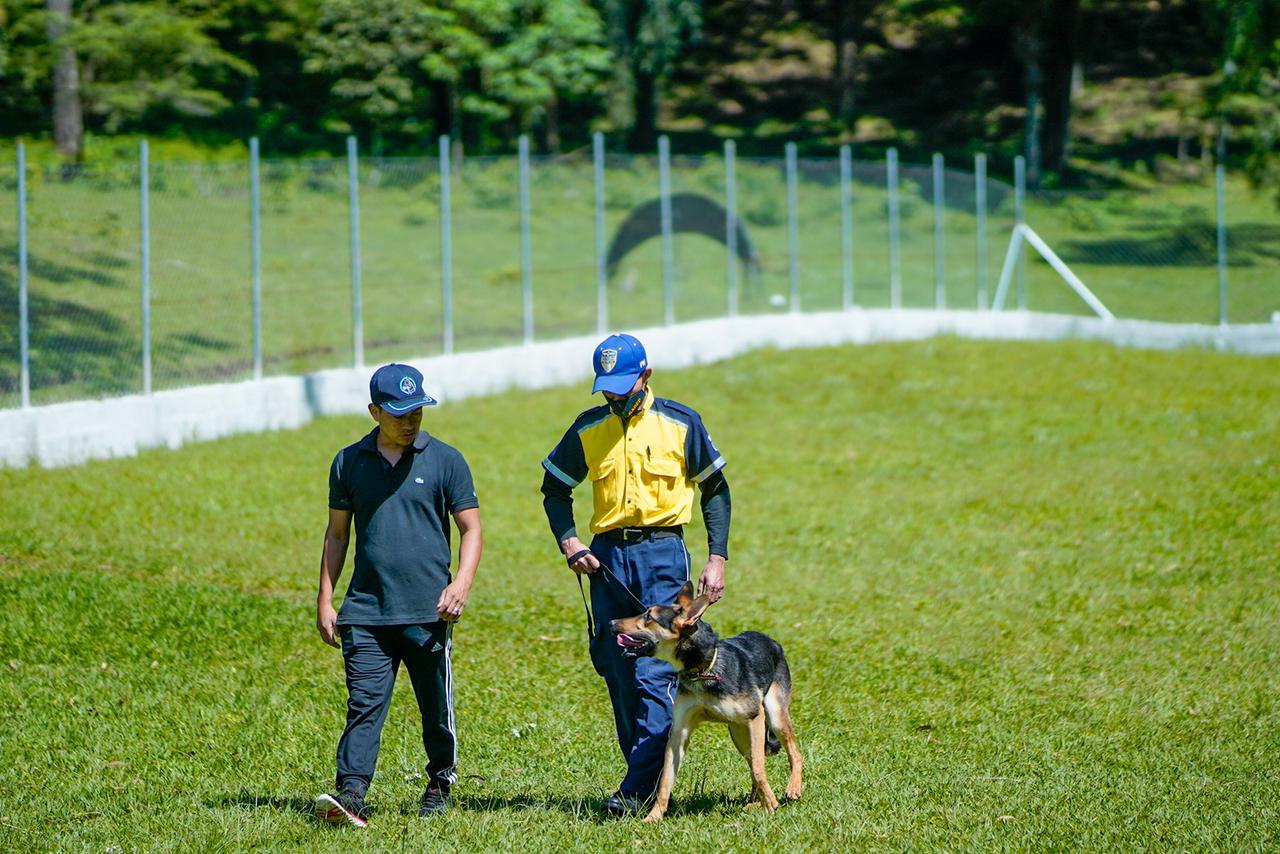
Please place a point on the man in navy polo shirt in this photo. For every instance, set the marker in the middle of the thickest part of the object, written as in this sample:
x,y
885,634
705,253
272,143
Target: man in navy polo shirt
x,y
400,485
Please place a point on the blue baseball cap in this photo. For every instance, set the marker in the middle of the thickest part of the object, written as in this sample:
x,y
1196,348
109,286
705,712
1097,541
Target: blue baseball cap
x,y
398,389
619,361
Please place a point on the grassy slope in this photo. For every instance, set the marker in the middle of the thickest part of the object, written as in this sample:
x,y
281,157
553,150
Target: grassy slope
x,y
1028,592
1147,255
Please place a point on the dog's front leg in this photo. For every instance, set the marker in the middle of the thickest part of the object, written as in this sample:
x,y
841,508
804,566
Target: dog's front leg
x,y
682,724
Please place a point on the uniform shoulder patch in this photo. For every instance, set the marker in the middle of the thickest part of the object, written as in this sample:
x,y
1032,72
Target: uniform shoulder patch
x,y
589,416
676,409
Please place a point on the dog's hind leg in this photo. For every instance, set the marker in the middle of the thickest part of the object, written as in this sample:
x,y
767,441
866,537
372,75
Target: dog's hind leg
x,y
758,727
777,702
741,735
684,720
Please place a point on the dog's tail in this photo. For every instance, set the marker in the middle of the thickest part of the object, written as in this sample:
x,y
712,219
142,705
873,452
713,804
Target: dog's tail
x,y
771,744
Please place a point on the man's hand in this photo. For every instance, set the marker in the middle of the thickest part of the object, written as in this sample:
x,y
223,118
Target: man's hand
x,y
711,584
327,623
587,563
452,600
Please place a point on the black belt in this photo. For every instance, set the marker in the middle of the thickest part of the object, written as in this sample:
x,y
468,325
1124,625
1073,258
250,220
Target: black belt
x,y
636,535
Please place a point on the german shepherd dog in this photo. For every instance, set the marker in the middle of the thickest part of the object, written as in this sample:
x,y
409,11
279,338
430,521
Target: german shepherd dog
x,y
742,681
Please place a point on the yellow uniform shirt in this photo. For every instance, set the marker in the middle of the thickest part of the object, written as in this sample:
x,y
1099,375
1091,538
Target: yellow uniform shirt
x,y
643,472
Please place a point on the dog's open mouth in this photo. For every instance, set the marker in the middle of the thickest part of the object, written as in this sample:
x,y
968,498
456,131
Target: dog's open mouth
x,y
633,646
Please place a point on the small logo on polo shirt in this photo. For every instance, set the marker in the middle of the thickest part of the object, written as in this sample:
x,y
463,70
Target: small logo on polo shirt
x,y
407,385
418,480
608,358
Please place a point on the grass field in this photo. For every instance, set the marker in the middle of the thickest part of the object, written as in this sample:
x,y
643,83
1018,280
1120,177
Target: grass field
x,y
1028,592
1148,254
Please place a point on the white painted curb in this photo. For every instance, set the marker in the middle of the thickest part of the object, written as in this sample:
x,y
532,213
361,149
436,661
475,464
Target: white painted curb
x,y
68,433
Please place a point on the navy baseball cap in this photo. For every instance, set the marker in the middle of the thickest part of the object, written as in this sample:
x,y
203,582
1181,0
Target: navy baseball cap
x,y
398,389
619,361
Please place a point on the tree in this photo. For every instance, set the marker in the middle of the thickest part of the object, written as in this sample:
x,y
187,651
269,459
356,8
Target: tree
x,y
115,62
645,38
1248,96
388,58
68,115
483,60
553,51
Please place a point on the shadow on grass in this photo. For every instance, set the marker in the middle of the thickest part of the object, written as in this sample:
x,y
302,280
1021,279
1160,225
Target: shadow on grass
x,y
586,809
249,800
592,808
1188,245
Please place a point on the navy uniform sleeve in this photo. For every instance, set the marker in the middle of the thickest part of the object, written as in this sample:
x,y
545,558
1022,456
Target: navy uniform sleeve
x,y
459,488
702,458
567,462
339,493
564,468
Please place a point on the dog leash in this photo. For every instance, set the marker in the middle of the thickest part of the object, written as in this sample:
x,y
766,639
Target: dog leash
x,y
604,567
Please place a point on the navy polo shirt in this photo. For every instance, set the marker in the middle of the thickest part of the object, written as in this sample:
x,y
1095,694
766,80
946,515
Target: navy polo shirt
x,y
402,527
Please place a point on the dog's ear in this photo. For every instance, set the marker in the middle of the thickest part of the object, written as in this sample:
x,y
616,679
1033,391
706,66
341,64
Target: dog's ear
x,y
685,597
693,613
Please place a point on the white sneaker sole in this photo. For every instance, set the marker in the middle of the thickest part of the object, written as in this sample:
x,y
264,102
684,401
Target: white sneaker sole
x,y
329,811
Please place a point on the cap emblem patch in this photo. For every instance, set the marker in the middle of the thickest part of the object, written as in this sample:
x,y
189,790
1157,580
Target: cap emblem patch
x,y
608,359
407,385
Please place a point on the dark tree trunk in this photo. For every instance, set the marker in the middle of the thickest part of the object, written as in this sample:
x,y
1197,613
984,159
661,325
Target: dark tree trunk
x,y
1059,44
442,103
551,126
68,117
644,132
622,84
1029,49
844,40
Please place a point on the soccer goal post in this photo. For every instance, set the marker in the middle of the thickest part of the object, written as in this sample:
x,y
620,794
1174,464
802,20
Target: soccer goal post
x,y
1024,232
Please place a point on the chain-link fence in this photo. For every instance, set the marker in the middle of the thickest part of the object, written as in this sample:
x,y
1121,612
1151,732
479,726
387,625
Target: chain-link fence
x,y
228,271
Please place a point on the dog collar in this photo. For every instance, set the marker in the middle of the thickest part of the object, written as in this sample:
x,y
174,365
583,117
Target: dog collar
x,y
707,674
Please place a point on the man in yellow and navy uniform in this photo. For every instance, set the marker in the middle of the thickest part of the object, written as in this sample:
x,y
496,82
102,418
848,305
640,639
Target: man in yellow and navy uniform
x,y
644,456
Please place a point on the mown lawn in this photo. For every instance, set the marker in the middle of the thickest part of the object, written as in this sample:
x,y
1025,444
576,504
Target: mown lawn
x,y
1028,592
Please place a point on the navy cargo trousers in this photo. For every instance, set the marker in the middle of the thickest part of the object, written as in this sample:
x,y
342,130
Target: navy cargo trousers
x,y
372,655
642,690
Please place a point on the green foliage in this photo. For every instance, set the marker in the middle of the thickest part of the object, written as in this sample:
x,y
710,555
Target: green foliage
x,y
552,49
139,56
384,57
1249,95
134,57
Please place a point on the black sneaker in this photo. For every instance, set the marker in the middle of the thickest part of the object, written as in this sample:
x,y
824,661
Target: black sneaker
x,y
346,808
622,803
435,800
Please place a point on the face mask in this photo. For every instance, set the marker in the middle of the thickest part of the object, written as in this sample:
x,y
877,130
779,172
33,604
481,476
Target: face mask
x,y
625,407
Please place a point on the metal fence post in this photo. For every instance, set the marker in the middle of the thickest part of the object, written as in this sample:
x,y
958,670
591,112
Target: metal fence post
x,y
353,205
895,246
793,228
731,222
24,321
602,272
255,253
1220,182
939,212
446,246
526,247
980,205
846,227
1020,218
664,182
144,186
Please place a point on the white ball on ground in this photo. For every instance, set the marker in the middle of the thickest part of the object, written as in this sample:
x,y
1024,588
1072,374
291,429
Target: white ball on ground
x,y
777,300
